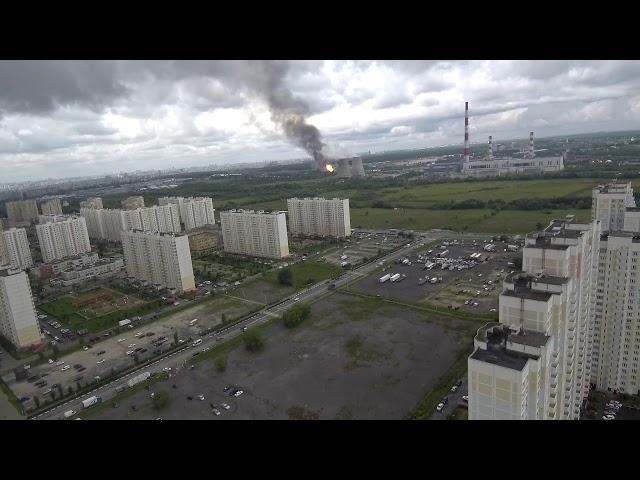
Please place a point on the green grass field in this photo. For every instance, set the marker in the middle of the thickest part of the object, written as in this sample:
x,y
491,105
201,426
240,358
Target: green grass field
x,y
480,221
307,272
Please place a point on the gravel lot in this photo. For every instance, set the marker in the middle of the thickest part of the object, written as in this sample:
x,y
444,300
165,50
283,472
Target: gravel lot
x,y
352,359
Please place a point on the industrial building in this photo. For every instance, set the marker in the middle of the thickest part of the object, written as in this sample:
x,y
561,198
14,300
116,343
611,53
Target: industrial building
x,y
91,202
22,212
349,168
494,166
51,206
61,239
131,203
255,233
319,217
18,319
17,251
536,363
194,212
161,259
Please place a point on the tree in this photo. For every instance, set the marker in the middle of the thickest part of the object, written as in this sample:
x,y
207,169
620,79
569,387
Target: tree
x,y
221,363
136,359
295,315
253,340
161,399
175,338
224,319
285,277
41,355
70,390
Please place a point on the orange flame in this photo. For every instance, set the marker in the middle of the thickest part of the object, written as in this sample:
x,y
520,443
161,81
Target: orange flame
x,y
329,167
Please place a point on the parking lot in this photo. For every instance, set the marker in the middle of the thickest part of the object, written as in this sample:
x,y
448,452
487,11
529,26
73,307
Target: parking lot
x,y
422,278
115,349
361,246
353,358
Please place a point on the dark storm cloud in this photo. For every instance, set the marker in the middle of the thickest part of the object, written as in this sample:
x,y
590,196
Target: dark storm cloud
x,y
40,86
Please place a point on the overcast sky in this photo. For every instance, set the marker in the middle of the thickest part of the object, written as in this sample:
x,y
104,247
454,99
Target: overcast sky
x,y
73,118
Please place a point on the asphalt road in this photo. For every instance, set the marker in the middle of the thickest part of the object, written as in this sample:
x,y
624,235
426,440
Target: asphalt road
x,y
455,398
175,359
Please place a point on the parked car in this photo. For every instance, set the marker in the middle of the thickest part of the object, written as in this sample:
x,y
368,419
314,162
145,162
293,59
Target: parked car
x,y
440,407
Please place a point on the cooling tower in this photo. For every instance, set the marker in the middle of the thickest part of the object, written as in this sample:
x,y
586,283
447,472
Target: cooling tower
x,y
357,170
343,169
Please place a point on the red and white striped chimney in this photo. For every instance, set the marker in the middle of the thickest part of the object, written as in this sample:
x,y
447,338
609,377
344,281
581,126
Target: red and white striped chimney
x,y
466,132
531,144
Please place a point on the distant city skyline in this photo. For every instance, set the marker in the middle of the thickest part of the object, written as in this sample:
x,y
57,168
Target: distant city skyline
x,y
83,118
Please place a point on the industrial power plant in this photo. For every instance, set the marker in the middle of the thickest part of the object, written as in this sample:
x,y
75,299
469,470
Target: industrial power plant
x,y
496,166
349,168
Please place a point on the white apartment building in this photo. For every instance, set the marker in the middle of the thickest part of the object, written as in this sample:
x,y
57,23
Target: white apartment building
x,y
107,224
616,364
17,251
4,259
319,217
552,298
18,320
255,233
63,239
159,259
91,202
194,211
51,206
102,269
609,204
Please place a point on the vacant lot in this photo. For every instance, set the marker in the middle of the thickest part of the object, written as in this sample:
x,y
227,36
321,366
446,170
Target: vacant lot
x,y
353,358
306,272
97,309
473,220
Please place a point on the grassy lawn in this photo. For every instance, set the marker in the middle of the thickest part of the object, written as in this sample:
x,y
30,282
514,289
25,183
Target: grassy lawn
x,y
472,220
307,273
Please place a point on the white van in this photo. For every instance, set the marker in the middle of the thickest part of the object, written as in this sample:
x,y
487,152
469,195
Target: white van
x,y
197,342
69,413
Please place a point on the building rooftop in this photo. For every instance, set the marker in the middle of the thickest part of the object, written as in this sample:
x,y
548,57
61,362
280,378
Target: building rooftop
x,y
528,295
503,357
530,338
633,209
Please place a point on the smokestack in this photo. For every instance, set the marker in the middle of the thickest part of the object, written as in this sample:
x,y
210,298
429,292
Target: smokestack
x,y
490,147
466,133
531,154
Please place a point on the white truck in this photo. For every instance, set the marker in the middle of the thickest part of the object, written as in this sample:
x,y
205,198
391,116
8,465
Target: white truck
x,y
138,379
91,401
395,277
384,278
124,322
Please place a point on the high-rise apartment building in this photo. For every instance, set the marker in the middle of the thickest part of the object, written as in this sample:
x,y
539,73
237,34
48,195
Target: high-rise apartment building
x,y
536,364
319,217
131,203
18,320
194,211
255,233
63,239
160,259
4,259
22,212
18,253
107,224
609,204
51,206
91,202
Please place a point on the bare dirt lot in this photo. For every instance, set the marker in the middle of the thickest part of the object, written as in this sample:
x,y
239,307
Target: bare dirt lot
x,y
357,249
456,287
354,358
